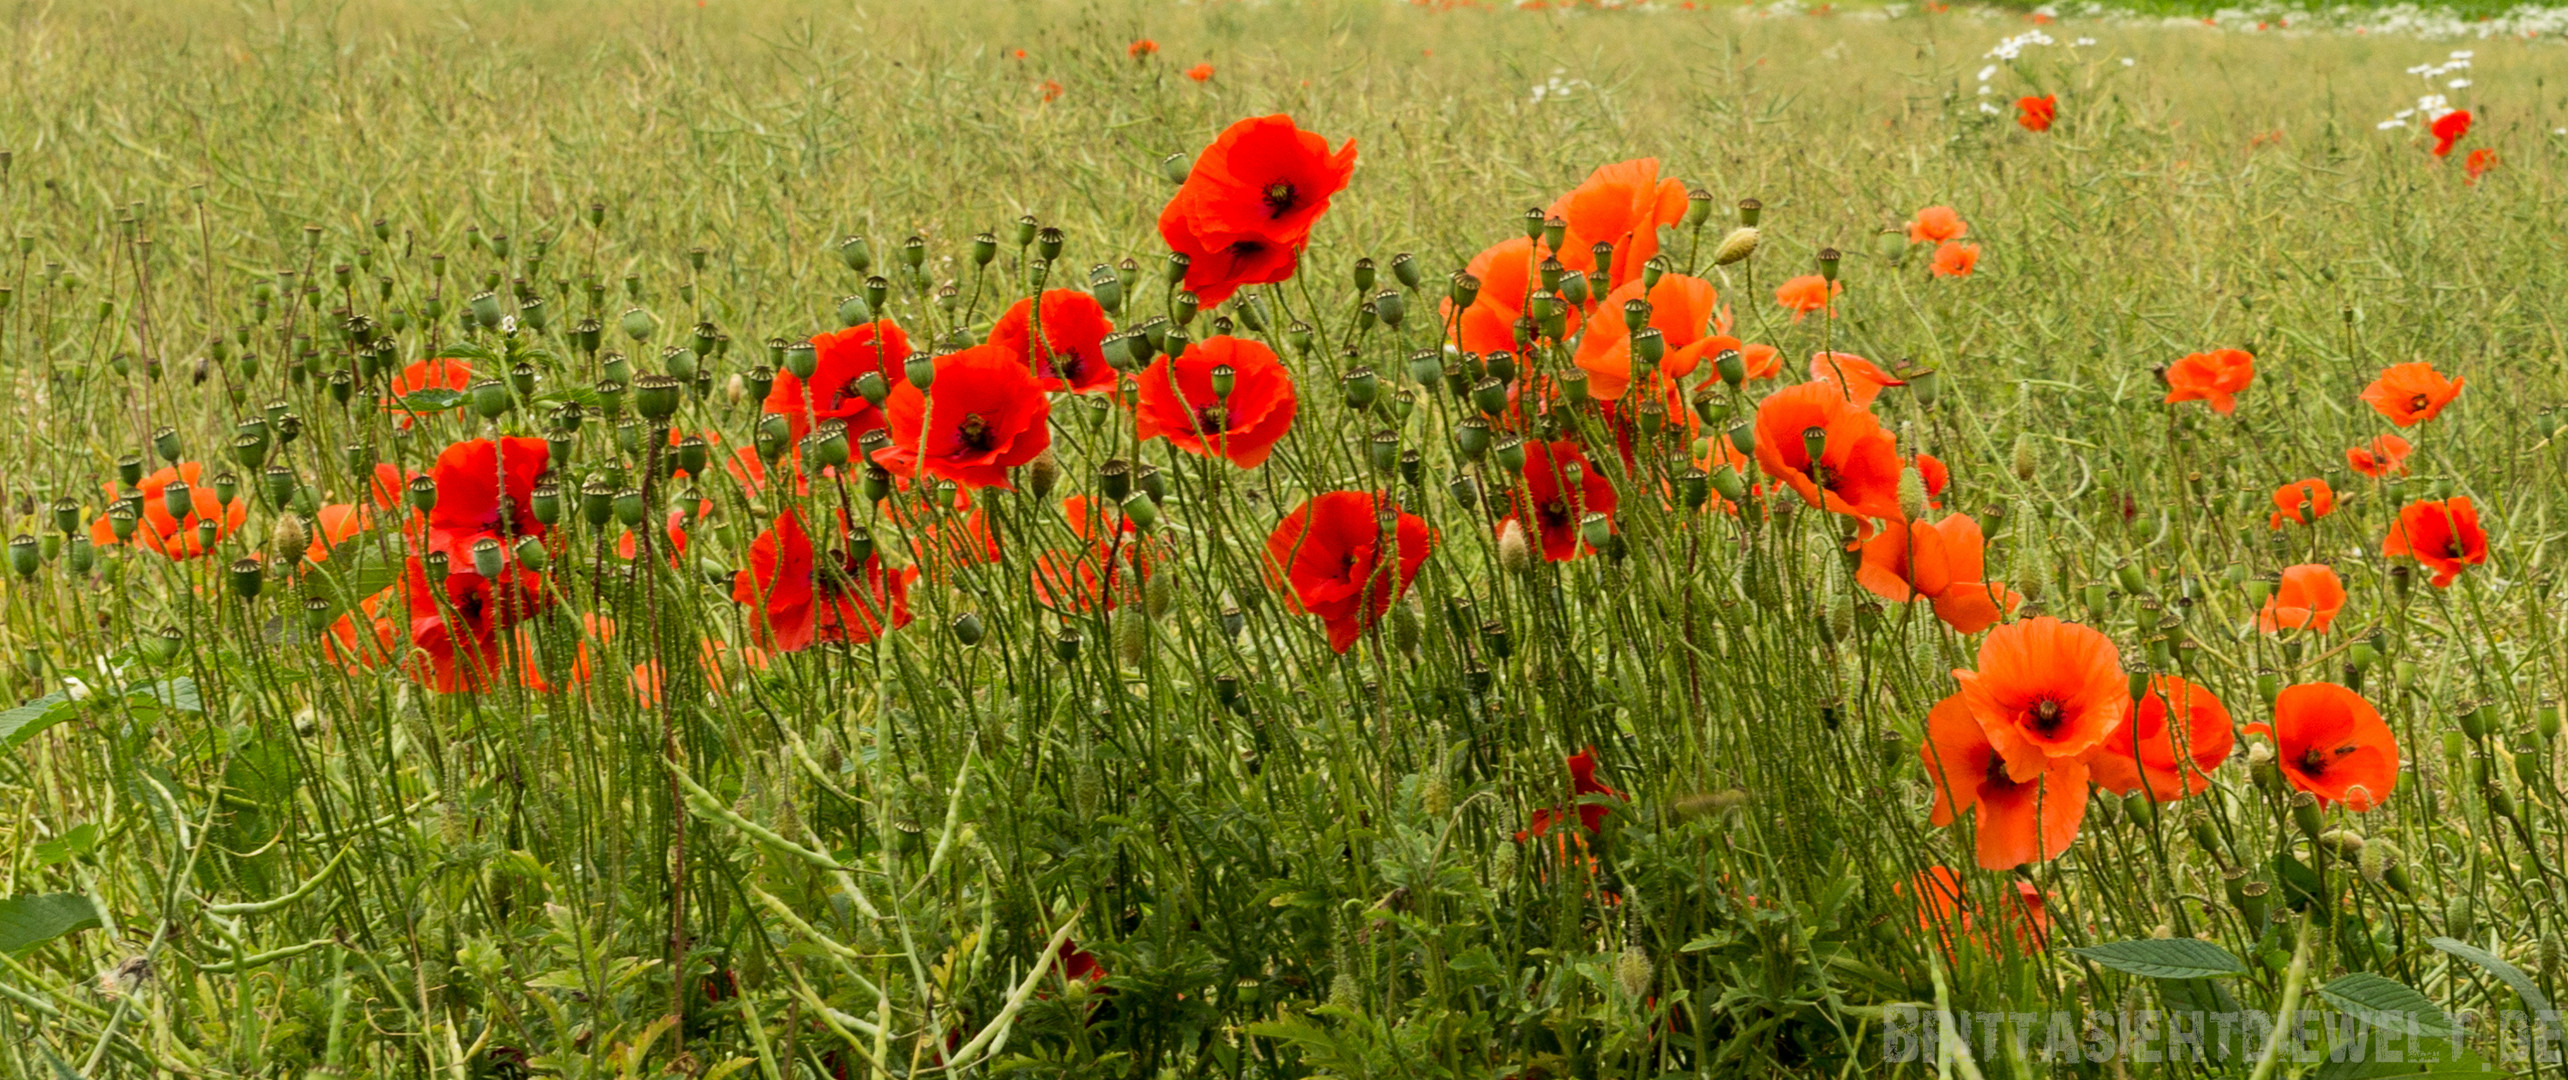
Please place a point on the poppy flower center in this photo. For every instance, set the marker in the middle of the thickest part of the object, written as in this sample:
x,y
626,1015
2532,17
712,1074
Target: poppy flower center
x,y
974,432
1278,197
1212,420
2418,402
2047,716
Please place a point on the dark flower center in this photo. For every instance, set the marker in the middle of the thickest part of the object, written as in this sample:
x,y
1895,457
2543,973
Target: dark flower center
x,y
1212,420
2047,716
2418,402
1279,199
974,433
1247,249
1555,512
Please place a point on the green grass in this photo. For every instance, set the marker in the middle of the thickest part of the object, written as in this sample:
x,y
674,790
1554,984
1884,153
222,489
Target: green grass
x,y
331,868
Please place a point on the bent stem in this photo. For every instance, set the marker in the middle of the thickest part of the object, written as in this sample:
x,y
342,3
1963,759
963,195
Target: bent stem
x,y
2293,980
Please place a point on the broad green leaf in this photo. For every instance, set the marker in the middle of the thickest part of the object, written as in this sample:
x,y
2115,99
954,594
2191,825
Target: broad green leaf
x,y
79,841
179,693
2463,1064
29,921
2533,999
433,399
2375,999
23,723
2165,958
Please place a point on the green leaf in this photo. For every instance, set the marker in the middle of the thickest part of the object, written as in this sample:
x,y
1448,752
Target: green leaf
x,y
29,921
2533,999
2463,1064
2302,887
179,693
23,723
2165,958
2375,1000
433,399
79,841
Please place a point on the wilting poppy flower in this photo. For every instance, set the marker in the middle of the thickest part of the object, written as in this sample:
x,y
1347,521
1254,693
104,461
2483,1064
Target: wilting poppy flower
x,y
1345,556
1072,355
2308,598
1935,225
1582,785
2036,113
2216,377
1860,380
2024,815
1808,293
2046,690
445,375
1858,468
1681,308
1943,562
1200,73
485,488
1247,207
1955,259
2332,743
2386,454
2477,164
1177,401
2443,536
1141,47
2147,752
1553,503
174,537
2448,129
2411,394
2290,498
1623,204
456,628
983,414
1506,275
841,358
797,596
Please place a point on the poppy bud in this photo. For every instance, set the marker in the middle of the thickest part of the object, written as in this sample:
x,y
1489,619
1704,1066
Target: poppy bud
x,y
1555,229
1361,387
637,324
1388,307
1489,396
1912,494
1385,449
165,443
245,576
1698,208
1515,554
531,554
854,252
1533,222
1741,243
489,558
1511,454
24,557
1175,167
1743,438
1730,484
1814,442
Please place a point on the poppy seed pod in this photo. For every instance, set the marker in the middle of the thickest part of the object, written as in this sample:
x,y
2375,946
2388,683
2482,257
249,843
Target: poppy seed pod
x,y
277,482
1183,306
1555,230
1140,510
488,557
1595,529
656,397
1648,347
245,576
1175,167
1362,388
1533,219
165,443
1828,258
628,510
1694,488
1653,270
129,469
1574,290
692,454
176,500
1148,478
1739,244
1363,275
80,553
597,502
530,553
855,253
1814,442
123,517
1384,449
985,247
1106,288
546,500
1471,438
968,629
1048,242
615,367
66,516
853,311
24,557
628,436
1299,336
756,384
637,324
1511,453
490,399
1390,308
1489,396
1173,271
1065,646
485,308
1730,484
1743,438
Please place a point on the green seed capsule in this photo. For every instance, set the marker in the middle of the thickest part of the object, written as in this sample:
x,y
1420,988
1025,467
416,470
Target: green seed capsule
x,y
245,577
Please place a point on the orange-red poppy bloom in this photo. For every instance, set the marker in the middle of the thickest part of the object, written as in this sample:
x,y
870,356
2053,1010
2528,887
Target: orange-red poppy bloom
x,y
2308,598
1937,224
334,526
1200,73
1107,571
1943,910
175,537
1072,354
1246,209
1808,293
1178,401
2333,744
2046,690
982,414
345,646
1757,361
2441,535
2036,113
1345,556
1860,380
1561,487
1857,471
2477,164
485,488
1953,259
1931,470
2411,394
2386,454
2448,129
2216,377
2028,816
841,358
1583,787
2302,502
457,627
1141,47
1505,271
1681,309
1623,204
445,375
2171,759
796,596
1944,562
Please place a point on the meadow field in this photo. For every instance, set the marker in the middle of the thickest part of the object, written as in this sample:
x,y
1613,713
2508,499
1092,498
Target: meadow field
x,y
589,539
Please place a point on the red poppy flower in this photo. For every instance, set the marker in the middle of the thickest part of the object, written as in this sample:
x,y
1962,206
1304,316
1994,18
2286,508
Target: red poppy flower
x,y
2036,113
2333,744
2411,394
1247,207
1955,260
673,537
1942,909
446,375
2443,536
1858,468
1943,562
796,598
1808,293
2448,129
1072,355
1756,361
170,536
1681,308
1345,556
2308,598
1200,73
1552,504
344,646
2216,377
2386,454
457,628
2147,752
2031,816
1623,204
942,538
2046,690
1506,278
333,527
1861,380
2289,498
1141,47
1931,470
841,358
485,488
1937,224
1177,401
983,414
1115,560
1582,785
2477,164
